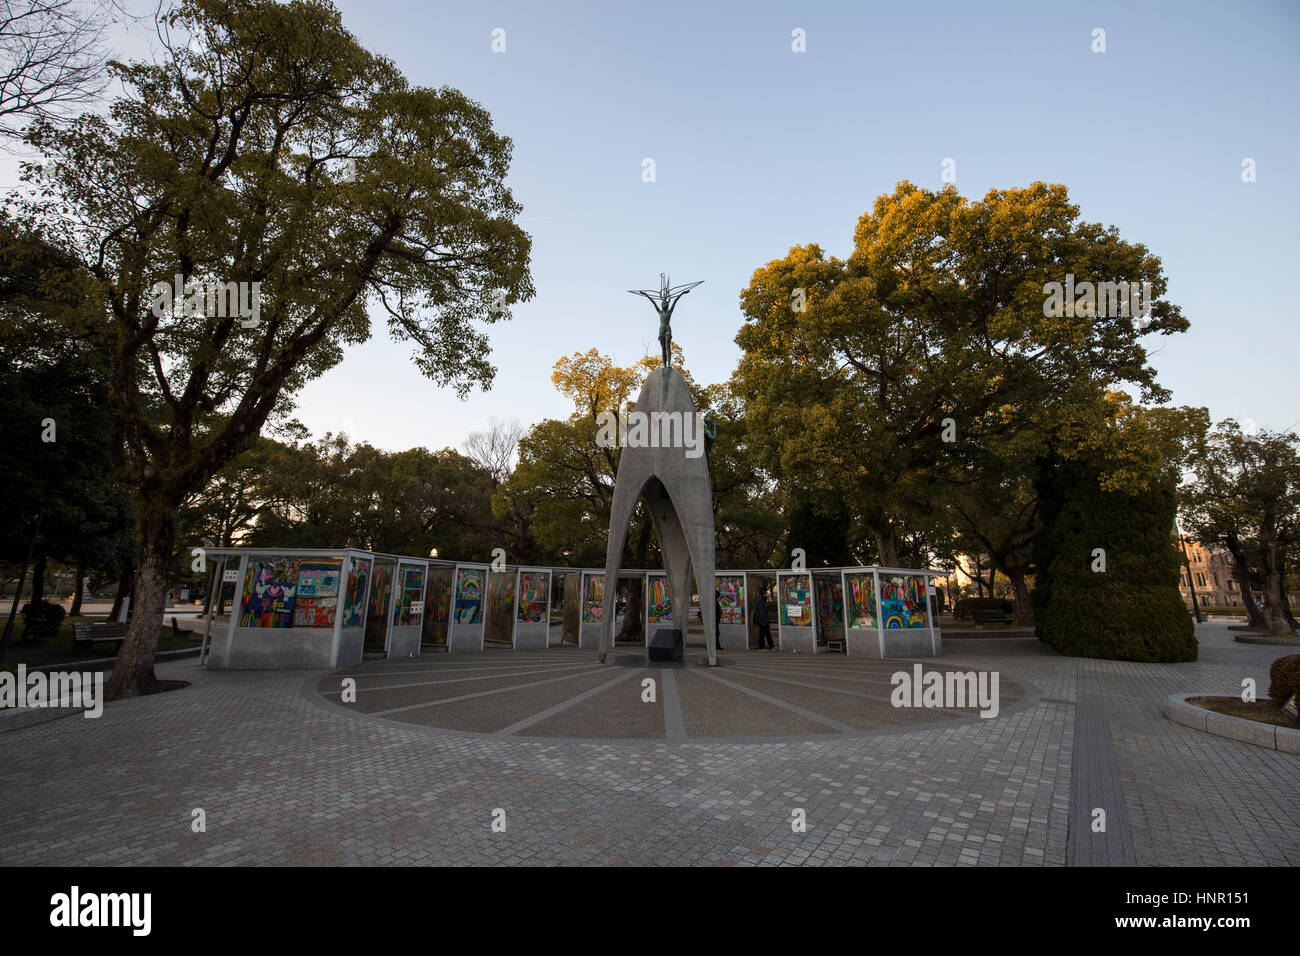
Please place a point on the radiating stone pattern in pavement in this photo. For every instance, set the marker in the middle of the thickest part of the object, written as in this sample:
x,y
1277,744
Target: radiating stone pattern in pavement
x,y
287,777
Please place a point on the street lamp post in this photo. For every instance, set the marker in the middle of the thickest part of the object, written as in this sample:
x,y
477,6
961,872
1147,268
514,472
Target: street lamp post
x,y
1191,582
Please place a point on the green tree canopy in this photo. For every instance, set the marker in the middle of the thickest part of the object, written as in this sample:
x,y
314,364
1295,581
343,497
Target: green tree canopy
x,y
1244,495
276,151
853,368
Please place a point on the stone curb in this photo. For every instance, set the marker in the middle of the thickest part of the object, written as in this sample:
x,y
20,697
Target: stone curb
x,y
1275,641
106,663
1179,711
14,718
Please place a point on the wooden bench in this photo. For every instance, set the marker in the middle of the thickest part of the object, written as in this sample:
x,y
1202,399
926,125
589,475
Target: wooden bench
x,y
180,634
84,633
983,616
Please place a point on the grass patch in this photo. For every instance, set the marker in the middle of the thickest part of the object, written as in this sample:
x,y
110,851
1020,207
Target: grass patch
x,y
60,649
1261,711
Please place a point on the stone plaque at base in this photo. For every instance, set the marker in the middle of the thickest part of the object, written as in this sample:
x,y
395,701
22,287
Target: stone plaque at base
x,y
666,645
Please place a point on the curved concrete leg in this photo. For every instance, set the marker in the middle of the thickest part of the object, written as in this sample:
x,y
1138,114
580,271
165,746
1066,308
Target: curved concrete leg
x,y
620,516
680,561
701,550
696,555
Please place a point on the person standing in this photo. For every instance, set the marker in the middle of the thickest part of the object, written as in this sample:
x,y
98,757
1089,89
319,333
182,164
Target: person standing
x,y
764,623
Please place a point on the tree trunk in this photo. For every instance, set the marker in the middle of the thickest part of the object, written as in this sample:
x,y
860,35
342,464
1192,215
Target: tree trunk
x,y
38,577
993,578
888,547
78,589
1290,617
1241,571
634,617
1024,613
1274,616
133,672
1286,600
123,589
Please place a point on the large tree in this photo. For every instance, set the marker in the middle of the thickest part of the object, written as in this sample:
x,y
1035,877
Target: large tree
x,y
994,509
332,494
278,155
1244,495
1107,567
749,507
564,479
56,464
856,370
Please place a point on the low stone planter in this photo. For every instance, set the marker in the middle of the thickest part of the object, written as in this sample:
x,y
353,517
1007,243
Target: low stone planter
x,y
1266,639
1179,711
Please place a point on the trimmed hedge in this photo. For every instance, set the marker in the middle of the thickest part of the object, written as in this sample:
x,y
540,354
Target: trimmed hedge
x,y
1131,611
42,619
965,605
1284,679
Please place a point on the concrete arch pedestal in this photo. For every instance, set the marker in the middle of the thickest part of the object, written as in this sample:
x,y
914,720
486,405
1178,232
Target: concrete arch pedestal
x,y
674,481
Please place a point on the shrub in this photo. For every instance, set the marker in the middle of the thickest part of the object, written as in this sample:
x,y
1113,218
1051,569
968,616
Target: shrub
x,y
42,619
965,605
1132,610
1284,679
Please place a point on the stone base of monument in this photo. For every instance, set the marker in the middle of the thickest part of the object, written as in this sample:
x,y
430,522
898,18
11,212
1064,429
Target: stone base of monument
x,y
666,645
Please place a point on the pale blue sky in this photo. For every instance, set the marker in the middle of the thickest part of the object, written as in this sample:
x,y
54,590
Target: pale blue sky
x,y
758,148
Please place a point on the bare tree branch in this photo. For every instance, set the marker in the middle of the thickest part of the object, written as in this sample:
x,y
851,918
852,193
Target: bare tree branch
x,y
52,58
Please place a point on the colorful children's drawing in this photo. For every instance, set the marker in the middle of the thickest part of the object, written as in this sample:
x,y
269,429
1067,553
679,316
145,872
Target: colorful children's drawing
x,y
593,594
354,599
731,595
916,601
796,601
319,579
532,597
269,588
381,589
893,613
658,606
314,611
406,613
469,595
830,608
902,601
862,600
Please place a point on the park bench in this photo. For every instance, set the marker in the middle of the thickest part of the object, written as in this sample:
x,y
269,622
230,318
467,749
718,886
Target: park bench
x,y
984,616
184,634
96,633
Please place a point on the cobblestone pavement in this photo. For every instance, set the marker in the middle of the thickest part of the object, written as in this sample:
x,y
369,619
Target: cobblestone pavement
x,y
285,776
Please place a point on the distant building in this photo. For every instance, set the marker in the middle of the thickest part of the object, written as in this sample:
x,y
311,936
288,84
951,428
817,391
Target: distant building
x,y
1210,569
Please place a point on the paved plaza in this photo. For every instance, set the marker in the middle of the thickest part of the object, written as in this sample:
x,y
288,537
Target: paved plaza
x,y
714,771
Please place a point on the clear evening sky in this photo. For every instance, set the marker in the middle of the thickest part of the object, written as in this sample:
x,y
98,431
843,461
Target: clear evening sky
x,y
758,148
